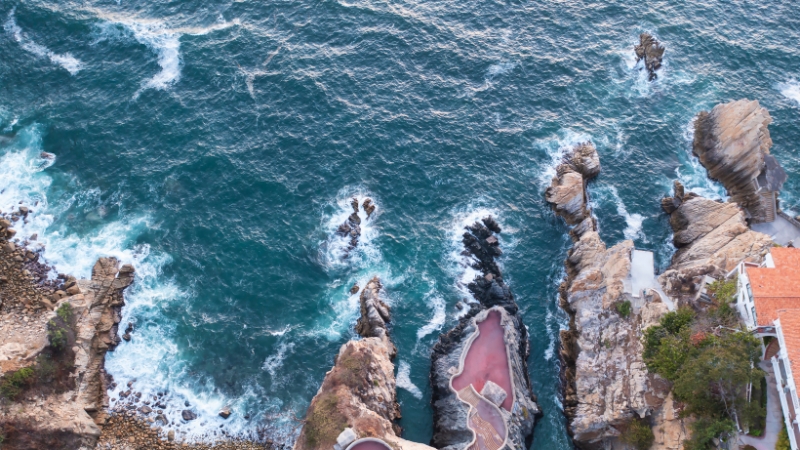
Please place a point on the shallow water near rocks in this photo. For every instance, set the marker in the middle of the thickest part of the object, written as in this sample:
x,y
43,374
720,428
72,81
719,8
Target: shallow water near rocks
x,y
216,146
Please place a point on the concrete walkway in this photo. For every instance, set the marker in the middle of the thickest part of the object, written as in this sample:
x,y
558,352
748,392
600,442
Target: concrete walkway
x,y
774,414
782,231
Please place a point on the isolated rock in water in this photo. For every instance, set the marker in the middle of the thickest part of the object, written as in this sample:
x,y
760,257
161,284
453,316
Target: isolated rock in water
x,y
732,142
651,51
359,392
188,414
225,412
351,228
502,336
711,238
567,191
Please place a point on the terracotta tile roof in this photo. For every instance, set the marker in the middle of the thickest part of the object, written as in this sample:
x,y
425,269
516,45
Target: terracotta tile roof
x,y
776,288
790,325
767,309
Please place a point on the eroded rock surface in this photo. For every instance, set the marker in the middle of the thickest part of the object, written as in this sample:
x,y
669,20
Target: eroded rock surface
x,y
606,381
359,392
451,431
567,191
711,237
652,52
732,142
70,409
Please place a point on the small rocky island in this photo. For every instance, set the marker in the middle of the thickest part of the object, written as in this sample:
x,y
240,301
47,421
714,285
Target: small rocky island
x,y
652,52
482,395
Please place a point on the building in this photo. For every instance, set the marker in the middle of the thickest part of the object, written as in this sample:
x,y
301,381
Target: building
x,y
768,299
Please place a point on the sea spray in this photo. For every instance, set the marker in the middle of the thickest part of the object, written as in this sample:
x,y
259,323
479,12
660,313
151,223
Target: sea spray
x,y
65,60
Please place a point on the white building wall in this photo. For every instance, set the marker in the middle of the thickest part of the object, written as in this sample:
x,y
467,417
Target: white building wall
x,y
786,388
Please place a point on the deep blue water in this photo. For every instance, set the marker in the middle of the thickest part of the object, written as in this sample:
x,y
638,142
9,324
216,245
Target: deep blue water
x,y
216,144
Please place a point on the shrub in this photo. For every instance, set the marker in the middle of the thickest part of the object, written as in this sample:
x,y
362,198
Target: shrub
x,y
638,435
624,309
704,430
324,422
723,291
65,312
13,384
783,440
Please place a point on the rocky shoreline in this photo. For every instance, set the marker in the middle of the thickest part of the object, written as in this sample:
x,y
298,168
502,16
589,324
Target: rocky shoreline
x,y
54,336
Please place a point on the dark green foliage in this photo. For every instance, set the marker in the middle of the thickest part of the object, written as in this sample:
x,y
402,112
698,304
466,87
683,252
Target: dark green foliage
x,y
624,309
13,384
638,435
710,364
65,312
705,429
783,440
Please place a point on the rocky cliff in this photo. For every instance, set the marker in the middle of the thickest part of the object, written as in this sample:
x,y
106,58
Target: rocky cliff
x,y
358,394
567,192
451,431
54,338
606,383
711,238
732,142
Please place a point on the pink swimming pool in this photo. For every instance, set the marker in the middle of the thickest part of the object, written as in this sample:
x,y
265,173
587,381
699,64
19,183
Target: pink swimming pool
x,y
369,444
487,360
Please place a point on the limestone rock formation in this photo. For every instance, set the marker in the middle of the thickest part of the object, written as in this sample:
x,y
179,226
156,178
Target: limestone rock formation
x,y
450,414
732,142
359,392
711,238
68,410
567,191
606,381
652,52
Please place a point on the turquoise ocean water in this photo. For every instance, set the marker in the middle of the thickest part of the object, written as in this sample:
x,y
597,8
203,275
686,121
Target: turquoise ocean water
x,y
216,144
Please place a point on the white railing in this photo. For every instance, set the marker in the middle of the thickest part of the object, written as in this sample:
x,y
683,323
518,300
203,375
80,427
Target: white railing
x,y
784,404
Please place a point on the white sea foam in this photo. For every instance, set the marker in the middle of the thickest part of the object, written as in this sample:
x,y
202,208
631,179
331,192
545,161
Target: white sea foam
x,y
500,68
65,60
158,36
633,222
437,321
404,380
152,357
692,174
275,361
554,148
790,90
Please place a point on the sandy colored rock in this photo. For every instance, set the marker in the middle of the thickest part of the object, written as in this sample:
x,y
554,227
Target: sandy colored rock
x,y
732,142
567,191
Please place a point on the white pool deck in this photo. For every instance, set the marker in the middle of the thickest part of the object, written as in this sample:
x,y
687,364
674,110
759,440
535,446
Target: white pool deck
x,y
643,278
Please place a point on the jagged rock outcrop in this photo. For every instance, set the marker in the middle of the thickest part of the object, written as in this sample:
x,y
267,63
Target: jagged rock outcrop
x,y
64,409
451,431
359,391
732,142
711,237
567,192
351,228
606,381
652,52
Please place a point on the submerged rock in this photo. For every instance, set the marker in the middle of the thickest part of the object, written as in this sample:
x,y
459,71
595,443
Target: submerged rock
x,y
359,393
732,142
450,358
651,51
567,192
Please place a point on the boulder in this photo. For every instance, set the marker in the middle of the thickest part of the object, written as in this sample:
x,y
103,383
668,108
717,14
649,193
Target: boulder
x,y
567,192
225,412
188,414
652,52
